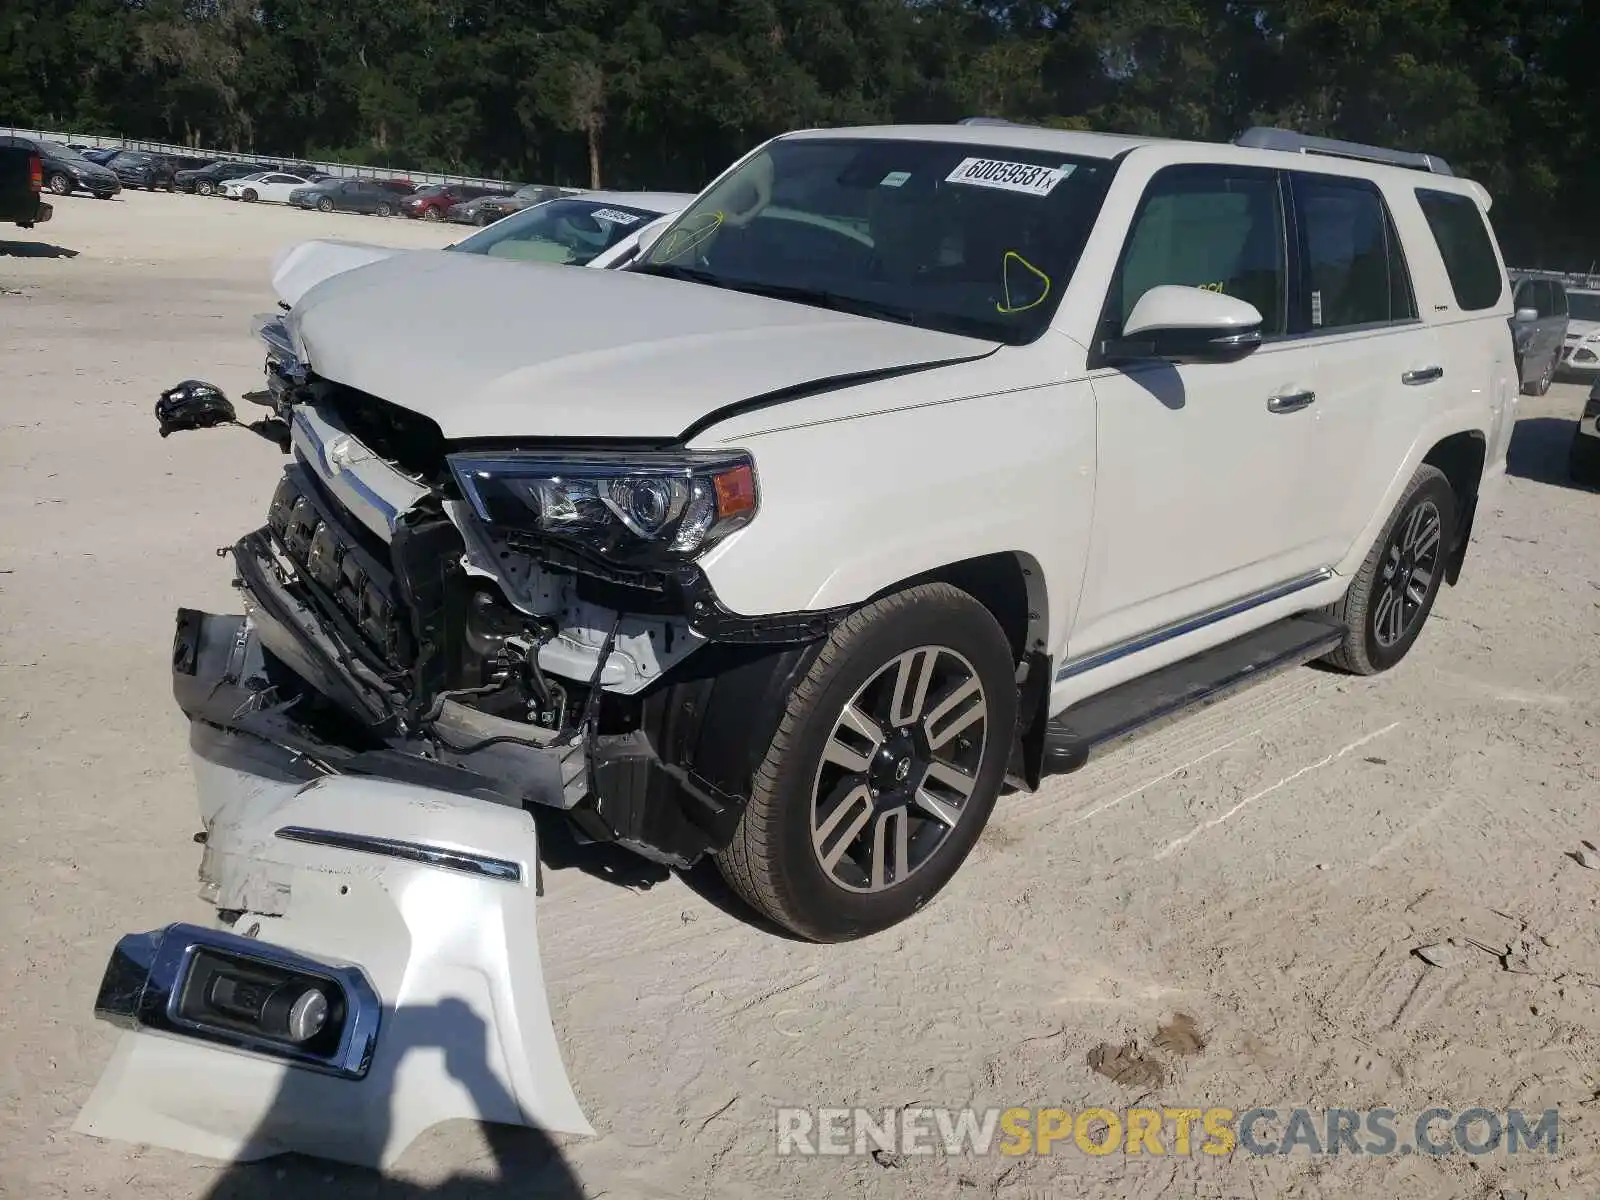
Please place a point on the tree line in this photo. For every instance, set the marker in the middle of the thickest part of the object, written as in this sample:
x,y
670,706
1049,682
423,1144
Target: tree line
x,y
664,93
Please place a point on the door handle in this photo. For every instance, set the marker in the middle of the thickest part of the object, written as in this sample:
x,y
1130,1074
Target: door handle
x,y
1290,401
1422,375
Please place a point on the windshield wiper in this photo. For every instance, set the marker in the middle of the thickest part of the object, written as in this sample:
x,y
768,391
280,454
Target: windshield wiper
x,y
691,274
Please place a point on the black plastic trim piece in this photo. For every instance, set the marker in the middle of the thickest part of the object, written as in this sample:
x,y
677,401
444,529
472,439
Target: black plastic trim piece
x,y
1143,703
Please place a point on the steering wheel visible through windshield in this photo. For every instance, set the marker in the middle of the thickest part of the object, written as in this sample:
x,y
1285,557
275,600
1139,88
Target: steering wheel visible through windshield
x,y
970,239
558,231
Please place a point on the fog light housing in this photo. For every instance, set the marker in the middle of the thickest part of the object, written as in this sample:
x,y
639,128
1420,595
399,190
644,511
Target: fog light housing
x,y
209,985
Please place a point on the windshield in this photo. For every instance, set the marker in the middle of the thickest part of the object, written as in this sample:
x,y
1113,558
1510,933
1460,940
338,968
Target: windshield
x,y
560,231
1583,306
979,240
57,150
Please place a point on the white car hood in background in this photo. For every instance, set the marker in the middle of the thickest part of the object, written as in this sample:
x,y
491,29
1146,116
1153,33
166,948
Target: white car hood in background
x,y
1581,329
301,267
491,348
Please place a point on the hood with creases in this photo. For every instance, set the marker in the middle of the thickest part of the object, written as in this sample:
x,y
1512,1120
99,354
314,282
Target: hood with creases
x,y
490,348
299,268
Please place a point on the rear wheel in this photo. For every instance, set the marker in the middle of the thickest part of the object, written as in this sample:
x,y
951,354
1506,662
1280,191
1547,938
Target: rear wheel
x,y
1391,596
883,770
384,210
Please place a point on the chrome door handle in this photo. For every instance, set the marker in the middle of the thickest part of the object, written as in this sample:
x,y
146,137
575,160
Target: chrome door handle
x,y
1290,401
1423,375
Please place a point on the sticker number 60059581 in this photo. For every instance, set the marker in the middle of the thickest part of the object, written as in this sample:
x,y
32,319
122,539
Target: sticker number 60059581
x,y
1008,176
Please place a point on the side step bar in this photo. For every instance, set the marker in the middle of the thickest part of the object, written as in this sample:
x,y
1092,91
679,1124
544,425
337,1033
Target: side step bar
x,y
1133,707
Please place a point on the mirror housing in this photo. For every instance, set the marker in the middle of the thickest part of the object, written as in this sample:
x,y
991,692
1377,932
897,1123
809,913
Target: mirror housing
x,y
1525,316
651,234
1178,324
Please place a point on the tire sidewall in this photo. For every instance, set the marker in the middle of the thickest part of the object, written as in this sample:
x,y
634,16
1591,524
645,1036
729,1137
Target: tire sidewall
x,y
1437,489
325,205
205,187
60,184
801,880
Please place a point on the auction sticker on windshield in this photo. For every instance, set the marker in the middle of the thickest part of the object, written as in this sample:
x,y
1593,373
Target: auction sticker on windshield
x,y
1008,176
615,217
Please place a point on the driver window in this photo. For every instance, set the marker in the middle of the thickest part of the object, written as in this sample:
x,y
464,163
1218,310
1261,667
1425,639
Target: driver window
x,y
1217,228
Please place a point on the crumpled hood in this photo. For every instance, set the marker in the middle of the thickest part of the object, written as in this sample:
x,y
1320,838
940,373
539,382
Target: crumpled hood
x,y
1582,329
299,268
492,348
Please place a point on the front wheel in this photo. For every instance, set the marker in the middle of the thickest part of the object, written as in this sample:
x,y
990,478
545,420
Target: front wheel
x,y
250,196
431,214
1391,596
60,183
325,205
205,187
883,770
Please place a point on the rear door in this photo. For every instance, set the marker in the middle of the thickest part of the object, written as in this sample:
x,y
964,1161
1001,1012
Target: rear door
x,y
1376,359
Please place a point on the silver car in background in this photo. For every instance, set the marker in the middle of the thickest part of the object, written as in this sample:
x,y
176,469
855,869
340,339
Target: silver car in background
x,y
1540,329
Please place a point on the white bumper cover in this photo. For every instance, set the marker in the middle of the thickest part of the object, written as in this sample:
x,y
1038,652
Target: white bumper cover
x,y
448,941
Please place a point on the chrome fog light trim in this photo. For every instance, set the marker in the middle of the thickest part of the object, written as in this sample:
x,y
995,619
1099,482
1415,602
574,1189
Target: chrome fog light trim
x,y
208,985
418,852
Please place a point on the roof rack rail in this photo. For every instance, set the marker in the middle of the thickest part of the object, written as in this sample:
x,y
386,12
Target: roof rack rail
x,y
1265,138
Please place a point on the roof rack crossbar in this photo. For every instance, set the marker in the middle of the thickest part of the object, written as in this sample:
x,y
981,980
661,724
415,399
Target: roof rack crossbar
x,y
1265,138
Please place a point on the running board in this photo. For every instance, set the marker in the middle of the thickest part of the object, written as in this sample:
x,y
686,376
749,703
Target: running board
x,y
1091,725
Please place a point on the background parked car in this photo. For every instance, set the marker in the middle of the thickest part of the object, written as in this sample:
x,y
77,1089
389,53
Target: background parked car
x,y
1581,354
347,195
136,168
207,181
486,210
95,154
432,202
400,187
576,230
1540,327
67,171
272,186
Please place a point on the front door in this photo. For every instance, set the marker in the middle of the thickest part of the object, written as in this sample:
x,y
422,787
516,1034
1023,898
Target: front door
x,y
1201,468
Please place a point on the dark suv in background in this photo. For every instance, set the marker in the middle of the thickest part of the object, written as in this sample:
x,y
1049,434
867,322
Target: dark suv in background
x,y
139,169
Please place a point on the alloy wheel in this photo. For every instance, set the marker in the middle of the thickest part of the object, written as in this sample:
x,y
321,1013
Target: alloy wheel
x,y
1408,573
898,769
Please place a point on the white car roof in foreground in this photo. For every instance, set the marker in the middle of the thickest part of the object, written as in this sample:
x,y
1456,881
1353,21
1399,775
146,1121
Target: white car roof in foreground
x,y
661,202
1109,145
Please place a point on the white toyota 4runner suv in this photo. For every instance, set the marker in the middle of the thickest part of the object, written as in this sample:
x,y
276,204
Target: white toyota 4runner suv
x,y
907,464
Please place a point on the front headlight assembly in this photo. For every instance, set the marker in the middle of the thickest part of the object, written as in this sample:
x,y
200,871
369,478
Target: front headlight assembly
x,y
632,507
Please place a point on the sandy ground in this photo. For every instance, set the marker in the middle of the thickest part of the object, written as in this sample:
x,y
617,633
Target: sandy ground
x,y
1267,866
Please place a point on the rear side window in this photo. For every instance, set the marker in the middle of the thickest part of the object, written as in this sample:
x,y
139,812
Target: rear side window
x,y
1355,270
1465,246
1218,228
1558,299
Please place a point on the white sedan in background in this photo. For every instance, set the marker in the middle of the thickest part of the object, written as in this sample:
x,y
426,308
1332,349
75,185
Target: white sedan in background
x,y
273,186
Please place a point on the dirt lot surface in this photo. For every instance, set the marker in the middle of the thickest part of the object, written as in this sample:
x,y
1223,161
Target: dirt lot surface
x,y
1267,867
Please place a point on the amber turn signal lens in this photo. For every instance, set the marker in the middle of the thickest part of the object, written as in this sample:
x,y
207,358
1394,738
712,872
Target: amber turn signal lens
x,y
736,491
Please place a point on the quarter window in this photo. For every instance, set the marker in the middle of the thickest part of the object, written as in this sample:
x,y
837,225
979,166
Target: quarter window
x,y
1208,227
1465,246
1355,270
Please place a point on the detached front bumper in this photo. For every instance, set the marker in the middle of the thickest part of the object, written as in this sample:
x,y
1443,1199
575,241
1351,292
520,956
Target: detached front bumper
x,y
412,910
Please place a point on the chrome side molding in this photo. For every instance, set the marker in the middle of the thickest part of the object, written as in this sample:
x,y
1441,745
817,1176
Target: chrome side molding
x,y
445,859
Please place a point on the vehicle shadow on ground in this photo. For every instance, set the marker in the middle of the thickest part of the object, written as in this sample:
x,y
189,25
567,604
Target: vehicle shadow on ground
x,y
35,250
1538,451
559,850
528,1164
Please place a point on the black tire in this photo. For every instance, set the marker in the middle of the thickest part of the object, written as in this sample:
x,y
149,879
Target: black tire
x,y
1583,459
483,218
1389,569
250,195
60,183
325,205
1542,386
771,861
383,210
431,214
205,187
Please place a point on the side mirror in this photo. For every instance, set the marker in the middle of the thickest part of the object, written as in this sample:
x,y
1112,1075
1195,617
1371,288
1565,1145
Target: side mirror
x,y
1178,324
651,234
1526,316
